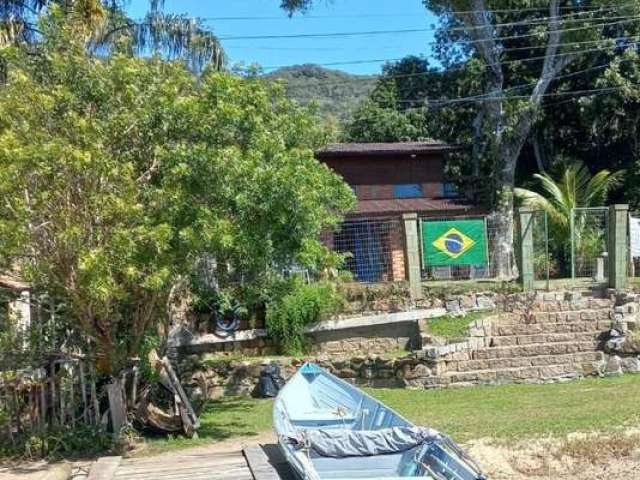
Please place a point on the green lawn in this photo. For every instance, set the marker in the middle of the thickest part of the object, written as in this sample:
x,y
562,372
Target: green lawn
x,y
450,326
505,412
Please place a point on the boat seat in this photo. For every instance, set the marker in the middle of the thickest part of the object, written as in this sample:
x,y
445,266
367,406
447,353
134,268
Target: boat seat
x,y
320,418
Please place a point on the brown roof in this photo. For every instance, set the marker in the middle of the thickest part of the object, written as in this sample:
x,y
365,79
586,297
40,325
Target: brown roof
x,y
399,205
393,148
12,283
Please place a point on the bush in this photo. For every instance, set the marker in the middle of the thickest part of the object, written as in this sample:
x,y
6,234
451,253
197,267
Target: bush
x,y
298,305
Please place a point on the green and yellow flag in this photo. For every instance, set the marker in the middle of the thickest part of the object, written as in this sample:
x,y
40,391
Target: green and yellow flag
x,y
454,242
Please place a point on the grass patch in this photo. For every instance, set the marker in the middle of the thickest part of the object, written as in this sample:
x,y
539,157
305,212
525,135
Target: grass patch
x,y
227,418
513,412
505,413
593,448
450,326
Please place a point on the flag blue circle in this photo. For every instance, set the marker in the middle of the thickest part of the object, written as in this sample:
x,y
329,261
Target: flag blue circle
x,y
453,243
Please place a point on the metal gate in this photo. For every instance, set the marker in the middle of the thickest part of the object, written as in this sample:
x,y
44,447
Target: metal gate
x,y
589,231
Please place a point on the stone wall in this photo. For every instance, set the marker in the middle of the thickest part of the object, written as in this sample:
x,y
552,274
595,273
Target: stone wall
x,y
536,338
376,339
216,378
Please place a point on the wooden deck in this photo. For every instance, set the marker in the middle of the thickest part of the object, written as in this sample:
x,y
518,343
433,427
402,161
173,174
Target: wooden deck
x,y
259,462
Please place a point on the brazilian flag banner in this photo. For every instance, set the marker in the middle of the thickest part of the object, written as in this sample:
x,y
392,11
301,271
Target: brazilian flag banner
x,y
454,242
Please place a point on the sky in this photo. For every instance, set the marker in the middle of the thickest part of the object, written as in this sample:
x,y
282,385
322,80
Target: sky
x,y
233,18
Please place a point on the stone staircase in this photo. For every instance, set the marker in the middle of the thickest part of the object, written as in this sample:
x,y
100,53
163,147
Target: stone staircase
x,y
550,340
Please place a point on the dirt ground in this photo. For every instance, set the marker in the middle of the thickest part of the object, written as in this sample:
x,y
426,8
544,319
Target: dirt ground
x,y
578,457
587,457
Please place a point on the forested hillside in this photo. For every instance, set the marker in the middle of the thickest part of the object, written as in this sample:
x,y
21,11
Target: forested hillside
x,y
337,93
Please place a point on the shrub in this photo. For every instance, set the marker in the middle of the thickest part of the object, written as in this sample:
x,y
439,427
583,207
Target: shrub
x,y
299,305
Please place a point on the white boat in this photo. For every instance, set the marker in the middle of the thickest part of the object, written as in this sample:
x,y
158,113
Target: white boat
x,y
329,429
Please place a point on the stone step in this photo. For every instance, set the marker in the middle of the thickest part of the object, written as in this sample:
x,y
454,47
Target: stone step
x,y
519,374
556,317
514,340
558,348
582,326
520,362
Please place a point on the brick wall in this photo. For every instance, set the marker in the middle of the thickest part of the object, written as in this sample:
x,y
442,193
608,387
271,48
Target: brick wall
x,y
397,247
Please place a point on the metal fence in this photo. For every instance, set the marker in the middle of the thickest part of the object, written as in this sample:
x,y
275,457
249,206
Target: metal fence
x,y
574,251
589,247
461,271
634,244
373,248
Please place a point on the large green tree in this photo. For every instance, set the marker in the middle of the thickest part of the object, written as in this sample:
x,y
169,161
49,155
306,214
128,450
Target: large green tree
x,y
119,175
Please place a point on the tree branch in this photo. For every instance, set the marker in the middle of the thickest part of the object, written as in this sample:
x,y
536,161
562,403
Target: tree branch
x,y
481,32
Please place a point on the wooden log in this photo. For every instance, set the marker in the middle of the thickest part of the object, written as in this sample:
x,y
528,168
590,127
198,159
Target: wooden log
x,y
83,389
117,406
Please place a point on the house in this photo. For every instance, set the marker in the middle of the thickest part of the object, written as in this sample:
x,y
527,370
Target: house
x,y
389,180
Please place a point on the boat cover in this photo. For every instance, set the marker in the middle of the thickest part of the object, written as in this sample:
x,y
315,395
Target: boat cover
x,y
360,443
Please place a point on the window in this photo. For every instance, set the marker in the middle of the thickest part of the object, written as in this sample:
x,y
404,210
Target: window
x,y
407,190
449,190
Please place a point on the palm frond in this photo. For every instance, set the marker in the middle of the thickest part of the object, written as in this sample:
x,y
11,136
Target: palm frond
x,y
556,194
537,201
171,36
600,185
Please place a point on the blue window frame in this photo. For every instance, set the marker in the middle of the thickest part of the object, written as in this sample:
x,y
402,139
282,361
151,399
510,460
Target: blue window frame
x,y
449,190
408,190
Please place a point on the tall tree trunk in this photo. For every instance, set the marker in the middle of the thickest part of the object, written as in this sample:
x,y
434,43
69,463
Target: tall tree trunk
x,y
507,146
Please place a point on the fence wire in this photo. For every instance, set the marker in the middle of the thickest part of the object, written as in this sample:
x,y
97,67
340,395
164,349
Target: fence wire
x,y
545,263
465,271
374,248
589,244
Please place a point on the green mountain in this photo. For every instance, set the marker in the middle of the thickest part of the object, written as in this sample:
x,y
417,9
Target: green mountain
x,y
337,93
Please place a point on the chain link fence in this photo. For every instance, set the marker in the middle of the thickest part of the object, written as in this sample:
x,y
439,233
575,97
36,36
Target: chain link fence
x,y
462,271
589,244
571,252
374,248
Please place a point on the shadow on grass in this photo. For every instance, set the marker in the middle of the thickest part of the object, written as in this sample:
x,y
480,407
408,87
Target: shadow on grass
x,y
223,419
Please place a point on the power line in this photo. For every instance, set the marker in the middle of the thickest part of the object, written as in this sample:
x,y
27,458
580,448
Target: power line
x,y
427,101
477,99
461,67
577,10
411,30
331,49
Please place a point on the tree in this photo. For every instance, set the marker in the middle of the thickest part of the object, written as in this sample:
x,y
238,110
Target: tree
x,y
118,175
504,36
572,188
109,29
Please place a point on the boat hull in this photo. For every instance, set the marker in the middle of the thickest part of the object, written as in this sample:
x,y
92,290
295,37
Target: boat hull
x,y
370,440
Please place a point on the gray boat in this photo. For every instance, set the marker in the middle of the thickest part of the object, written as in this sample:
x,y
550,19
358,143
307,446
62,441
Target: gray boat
x,y
329,429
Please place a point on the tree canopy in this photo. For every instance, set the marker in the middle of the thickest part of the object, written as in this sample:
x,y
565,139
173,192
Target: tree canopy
x,y
118,175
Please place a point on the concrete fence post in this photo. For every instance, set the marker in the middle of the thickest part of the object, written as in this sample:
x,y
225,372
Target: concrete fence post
x,y
525,255
412,244
618,247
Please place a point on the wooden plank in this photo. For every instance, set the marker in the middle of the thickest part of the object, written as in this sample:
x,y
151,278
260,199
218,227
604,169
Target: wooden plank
x,y
179,466
209,473
259,464
181,459
104,468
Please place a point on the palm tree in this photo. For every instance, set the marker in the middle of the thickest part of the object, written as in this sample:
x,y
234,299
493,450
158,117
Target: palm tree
x,y
574,188
172,36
